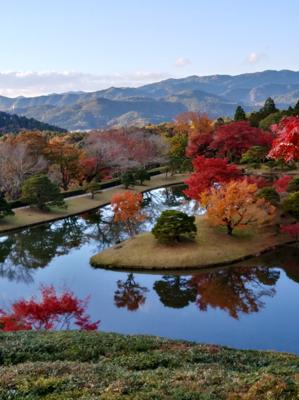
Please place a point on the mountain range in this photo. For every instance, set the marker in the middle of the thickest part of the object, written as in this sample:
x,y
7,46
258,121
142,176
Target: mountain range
x,y
217,95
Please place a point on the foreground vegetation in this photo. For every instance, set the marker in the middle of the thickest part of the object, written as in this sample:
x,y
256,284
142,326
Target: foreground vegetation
x,y
72,365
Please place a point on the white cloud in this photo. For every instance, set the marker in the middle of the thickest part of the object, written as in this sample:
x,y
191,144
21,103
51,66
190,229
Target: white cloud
x,y
182,62
32,83
255,58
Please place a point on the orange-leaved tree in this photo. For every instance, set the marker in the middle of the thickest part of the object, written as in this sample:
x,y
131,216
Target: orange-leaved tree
x,y
127,209
236,204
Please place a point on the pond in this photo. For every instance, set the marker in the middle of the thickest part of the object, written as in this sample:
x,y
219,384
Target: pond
x,y
251,305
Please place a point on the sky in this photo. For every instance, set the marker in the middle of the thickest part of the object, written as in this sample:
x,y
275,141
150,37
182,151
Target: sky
x,y
68,45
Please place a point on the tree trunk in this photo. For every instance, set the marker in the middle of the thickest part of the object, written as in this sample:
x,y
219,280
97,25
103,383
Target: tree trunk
x,y
229,230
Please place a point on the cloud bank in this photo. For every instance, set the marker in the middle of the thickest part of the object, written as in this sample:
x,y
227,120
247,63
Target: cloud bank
x,y
31,83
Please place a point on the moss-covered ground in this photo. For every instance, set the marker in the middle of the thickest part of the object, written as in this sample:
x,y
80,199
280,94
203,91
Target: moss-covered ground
x,y
74,365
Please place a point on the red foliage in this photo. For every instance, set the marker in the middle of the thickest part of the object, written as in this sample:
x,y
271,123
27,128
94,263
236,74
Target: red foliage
x,y
233,139
52,312
286,144
282,183
259,181
198,143
292,230
209,171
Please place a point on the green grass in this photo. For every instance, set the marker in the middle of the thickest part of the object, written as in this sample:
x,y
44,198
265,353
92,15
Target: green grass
x,y
74,365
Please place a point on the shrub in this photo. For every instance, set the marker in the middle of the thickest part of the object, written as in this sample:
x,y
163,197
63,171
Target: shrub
x,y
38,190
172,225
293,185
5,208
269,194
291,205
255,155
142,175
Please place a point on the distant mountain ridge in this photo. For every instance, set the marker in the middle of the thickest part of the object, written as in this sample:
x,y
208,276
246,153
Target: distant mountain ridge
x,y
15,123
217,95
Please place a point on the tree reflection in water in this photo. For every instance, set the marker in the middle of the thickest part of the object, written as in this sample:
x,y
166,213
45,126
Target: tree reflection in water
x,y
235,290
175,291
129,294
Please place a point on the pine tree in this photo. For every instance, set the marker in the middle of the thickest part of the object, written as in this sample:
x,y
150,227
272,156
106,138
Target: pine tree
x,y
240,114
296,109
269,107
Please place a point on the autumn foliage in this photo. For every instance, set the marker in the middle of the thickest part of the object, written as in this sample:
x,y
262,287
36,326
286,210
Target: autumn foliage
x,y
235,204
286,143
52,312
233,139
282,183
291,229
207,172
127,209
200,135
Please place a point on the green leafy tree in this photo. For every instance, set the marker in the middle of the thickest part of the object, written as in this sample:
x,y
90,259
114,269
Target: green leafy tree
x,y
291,205
271,119
172,225
5,208
128,179
269,194
39,191
92,187
240,114
293,185
254,155
142,175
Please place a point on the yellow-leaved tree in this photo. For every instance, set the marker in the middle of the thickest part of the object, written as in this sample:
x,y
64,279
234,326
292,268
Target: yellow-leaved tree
x,y
236,204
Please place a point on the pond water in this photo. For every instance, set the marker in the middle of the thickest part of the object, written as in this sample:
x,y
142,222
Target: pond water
x,y
250,305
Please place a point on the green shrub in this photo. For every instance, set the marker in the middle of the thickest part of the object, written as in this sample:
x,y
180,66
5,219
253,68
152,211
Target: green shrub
x,y
172,225
5,207
293,185
142,175
291,205
255,155
269,194
39,191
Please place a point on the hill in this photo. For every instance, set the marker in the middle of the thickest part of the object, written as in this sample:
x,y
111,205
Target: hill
x,y
15,123
159,102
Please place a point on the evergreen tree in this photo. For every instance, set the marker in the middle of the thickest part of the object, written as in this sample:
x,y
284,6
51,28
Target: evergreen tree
x,y
240,114
5,208
296,109
38,190
269,107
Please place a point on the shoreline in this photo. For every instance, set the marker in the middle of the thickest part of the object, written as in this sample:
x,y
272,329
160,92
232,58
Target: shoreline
x,y
79,204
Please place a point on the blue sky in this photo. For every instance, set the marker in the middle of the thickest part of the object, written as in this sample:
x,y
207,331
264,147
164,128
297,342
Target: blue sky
x,y
53,45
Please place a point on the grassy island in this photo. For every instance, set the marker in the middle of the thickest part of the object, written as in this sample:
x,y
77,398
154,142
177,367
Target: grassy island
x,y
211,247
74,365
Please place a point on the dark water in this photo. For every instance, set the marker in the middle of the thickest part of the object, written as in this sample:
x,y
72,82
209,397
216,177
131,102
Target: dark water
x,y
253,305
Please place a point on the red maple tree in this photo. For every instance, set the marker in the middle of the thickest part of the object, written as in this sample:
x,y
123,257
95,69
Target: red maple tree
x,y
232,140
291,229
286,144
52,312
282,183
207,172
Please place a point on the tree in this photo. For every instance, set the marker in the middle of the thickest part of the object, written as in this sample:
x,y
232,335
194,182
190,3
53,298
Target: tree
x,y
142,175
40,191
269,107
270,120
281,184
269,194
240,114
199,136
233,139
130,294
235,204
127,209
296,109
286,144
52,312
128,179
175,291
172,225
5,208
254,155
208,172
92,187
67,158
291,205
293,185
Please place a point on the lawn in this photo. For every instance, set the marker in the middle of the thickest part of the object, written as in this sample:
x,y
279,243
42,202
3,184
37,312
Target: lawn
x,y
211,247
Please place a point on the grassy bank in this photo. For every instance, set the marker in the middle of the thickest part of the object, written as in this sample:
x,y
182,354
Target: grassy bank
x,y
25,217
70,365
211,247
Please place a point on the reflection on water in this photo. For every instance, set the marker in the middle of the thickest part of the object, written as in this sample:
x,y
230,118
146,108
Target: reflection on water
x,y
251,305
